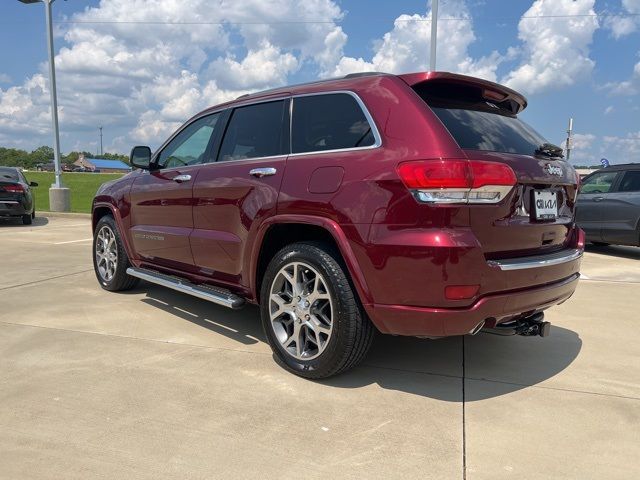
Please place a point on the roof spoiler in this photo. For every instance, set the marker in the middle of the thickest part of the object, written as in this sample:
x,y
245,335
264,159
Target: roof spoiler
x,y
491,91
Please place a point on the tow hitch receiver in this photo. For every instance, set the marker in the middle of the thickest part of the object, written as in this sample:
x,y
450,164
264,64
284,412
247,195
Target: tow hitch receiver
x,y
533,325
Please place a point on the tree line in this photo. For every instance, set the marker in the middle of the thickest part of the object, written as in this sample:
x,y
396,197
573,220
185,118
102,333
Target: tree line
x,y
15,157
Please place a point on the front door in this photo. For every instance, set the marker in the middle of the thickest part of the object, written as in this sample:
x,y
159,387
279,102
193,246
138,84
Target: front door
x,y
234,194
162,199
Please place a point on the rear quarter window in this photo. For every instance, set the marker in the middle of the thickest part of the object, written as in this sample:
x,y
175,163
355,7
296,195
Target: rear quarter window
x,y
329,122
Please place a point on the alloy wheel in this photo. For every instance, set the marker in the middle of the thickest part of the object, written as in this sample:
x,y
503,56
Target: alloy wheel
x,y
301,310
106,253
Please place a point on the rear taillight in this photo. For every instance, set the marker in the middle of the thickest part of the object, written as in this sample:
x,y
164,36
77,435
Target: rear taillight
x,y
457,180
14,188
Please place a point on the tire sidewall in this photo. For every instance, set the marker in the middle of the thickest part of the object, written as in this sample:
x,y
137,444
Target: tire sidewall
x,y
122,255
333,351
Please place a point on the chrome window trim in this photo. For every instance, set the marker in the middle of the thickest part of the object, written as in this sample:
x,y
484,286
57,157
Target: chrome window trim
x,y
374,128
537,261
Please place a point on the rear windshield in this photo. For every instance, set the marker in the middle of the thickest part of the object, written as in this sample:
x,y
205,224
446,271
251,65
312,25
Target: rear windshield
x,y
477,123
9,175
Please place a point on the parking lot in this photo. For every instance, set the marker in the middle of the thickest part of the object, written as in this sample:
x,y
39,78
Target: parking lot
x,y
155,384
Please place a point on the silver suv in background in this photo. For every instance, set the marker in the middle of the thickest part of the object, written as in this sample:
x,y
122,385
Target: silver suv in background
x,y
608,207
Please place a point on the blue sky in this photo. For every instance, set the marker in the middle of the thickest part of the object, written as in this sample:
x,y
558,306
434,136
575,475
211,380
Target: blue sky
x,y
140,80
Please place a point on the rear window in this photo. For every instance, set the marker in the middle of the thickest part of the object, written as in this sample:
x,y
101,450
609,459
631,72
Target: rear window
x,y
477,123
630,182
329,122
9,175
255,131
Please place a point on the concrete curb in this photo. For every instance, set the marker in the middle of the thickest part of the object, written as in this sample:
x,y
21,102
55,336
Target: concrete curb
x,y
64,215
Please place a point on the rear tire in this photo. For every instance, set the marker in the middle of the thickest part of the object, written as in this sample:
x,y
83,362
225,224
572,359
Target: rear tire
x,y
110,260
312,319
27,219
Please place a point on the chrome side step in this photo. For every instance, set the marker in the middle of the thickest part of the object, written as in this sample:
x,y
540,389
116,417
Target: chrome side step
x,y
216,295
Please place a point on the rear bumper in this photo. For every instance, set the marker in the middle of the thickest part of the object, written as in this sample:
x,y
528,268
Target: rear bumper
x,y
494,309
10,208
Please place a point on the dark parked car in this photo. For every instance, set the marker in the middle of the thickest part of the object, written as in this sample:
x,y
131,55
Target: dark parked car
x,y
414,204
608,207
16,199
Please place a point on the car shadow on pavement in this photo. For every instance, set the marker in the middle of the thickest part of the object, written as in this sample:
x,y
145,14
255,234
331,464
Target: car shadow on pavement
x,y
429,368
243,328
508,364
11,222
632,253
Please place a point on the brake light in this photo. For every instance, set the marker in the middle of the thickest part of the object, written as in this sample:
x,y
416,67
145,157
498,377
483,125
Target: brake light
x,y
14,188
457,180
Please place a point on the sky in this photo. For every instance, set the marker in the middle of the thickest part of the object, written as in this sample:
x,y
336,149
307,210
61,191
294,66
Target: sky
x,y
140,68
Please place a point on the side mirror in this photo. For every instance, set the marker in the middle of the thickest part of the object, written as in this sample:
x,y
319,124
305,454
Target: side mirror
x,y
33,184
140,157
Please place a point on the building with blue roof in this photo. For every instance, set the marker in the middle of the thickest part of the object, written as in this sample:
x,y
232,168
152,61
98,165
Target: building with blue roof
x,y
101,165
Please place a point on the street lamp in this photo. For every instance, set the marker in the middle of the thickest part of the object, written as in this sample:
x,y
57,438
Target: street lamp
x,y
59,197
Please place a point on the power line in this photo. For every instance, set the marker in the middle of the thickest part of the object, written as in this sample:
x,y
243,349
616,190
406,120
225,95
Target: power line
x,y
337,21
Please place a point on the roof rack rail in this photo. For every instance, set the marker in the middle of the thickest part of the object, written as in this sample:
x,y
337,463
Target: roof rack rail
x,y
362,74
242,96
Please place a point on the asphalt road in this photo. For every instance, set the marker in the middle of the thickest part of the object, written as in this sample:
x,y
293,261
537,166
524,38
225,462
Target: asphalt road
x,y
155,384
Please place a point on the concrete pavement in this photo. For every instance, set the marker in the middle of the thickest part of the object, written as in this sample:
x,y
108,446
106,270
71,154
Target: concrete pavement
x,y
156,384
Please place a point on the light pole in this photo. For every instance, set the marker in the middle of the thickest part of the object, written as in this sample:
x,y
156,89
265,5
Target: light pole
x,y
434,34
59,197
101,151
569,144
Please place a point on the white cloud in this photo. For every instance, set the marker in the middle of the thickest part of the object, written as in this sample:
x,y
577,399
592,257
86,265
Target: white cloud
x,y
627,87
624,149
556,50
609,110
623,25
140,80
406,47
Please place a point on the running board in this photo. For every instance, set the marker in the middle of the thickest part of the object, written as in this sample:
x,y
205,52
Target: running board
x,y
216,295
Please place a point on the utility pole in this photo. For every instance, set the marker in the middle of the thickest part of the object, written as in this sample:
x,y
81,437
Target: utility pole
x,y
569,144
59,197
101,151
434,34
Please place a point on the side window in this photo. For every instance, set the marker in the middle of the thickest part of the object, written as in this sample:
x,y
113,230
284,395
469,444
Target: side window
x,y
630,182
599,183
328,122
255,131
190,145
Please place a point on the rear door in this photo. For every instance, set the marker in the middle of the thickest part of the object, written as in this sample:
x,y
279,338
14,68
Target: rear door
x,y
621,210
234,194
593,203
162,199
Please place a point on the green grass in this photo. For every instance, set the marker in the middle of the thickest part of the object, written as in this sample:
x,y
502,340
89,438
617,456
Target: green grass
x,y
83,187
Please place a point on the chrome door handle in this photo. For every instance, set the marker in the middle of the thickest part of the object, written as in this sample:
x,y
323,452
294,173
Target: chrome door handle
x,y
263,172
182,178
598,199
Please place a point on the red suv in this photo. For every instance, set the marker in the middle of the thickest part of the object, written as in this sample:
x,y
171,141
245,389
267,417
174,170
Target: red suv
x,y
411,204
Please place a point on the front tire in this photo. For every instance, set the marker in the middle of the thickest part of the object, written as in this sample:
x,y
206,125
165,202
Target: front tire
x,y
312,319
110,260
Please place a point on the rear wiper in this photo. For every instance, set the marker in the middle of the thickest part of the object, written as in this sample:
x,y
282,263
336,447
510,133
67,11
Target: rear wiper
x,y
549,150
